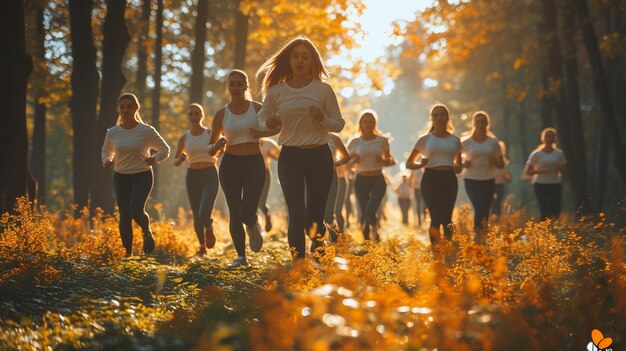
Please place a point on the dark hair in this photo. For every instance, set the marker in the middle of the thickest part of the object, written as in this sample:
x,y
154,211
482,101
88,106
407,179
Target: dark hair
x,y
277,69
238,72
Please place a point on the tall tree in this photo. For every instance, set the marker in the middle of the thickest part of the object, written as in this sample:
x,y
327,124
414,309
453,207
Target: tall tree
x,y
142,52
158,67
198,54
38,153
577,173
84,99
241,36
115,42
601,88
16,66
572,95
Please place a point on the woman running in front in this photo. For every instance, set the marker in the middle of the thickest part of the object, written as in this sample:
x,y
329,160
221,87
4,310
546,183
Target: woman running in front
x,y
242,171
307,110
482,160
441,152
201,180
126,150
546,165
370,152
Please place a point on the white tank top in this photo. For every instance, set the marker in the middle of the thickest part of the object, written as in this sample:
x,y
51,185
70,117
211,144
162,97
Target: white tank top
x,y
236,128
439,151
370,153
196,148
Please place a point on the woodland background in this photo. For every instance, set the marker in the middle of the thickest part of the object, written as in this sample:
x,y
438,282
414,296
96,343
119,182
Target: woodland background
x,y
529,63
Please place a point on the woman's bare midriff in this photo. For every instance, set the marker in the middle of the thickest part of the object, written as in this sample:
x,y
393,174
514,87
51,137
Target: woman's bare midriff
x,y
308,146
201,165
441,168
243,149
370,173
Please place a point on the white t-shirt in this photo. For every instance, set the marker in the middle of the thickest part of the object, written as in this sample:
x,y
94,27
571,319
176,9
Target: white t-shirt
x,y
404,190
547,161
129,148
480,155
370,152
292,106
438,151
236,128
196,148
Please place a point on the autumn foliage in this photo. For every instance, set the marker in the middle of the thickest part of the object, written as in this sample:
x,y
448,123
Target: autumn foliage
x,y
64,282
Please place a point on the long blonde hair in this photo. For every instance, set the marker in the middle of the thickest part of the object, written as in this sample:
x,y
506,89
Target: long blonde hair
x,y
488,131
133,98
368,111
277,69
543,138
431,125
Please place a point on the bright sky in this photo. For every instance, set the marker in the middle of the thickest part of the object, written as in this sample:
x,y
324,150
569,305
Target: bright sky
x,y
376,22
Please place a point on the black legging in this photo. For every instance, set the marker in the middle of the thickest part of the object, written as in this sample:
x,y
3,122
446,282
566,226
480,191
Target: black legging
x,y
242,180
405,205
549,199
202,185
420,210
369,192
302,169
131,192
266,189
439,189
480,193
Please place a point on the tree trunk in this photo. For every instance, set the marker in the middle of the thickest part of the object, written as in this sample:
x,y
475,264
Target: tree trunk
x,y
601,89
555,78
38,153
524,150
602,167
116,39
545,102
197,57
241,37
84,101
156,93
574,119
16,66
142,55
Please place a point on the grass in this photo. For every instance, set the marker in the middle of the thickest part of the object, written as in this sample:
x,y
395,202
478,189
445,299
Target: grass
x,y
64,286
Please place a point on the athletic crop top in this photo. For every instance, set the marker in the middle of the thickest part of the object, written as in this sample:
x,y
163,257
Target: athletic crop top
x,y
129,148
438,151
370,153
196,148
292,106
480,155
236,128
